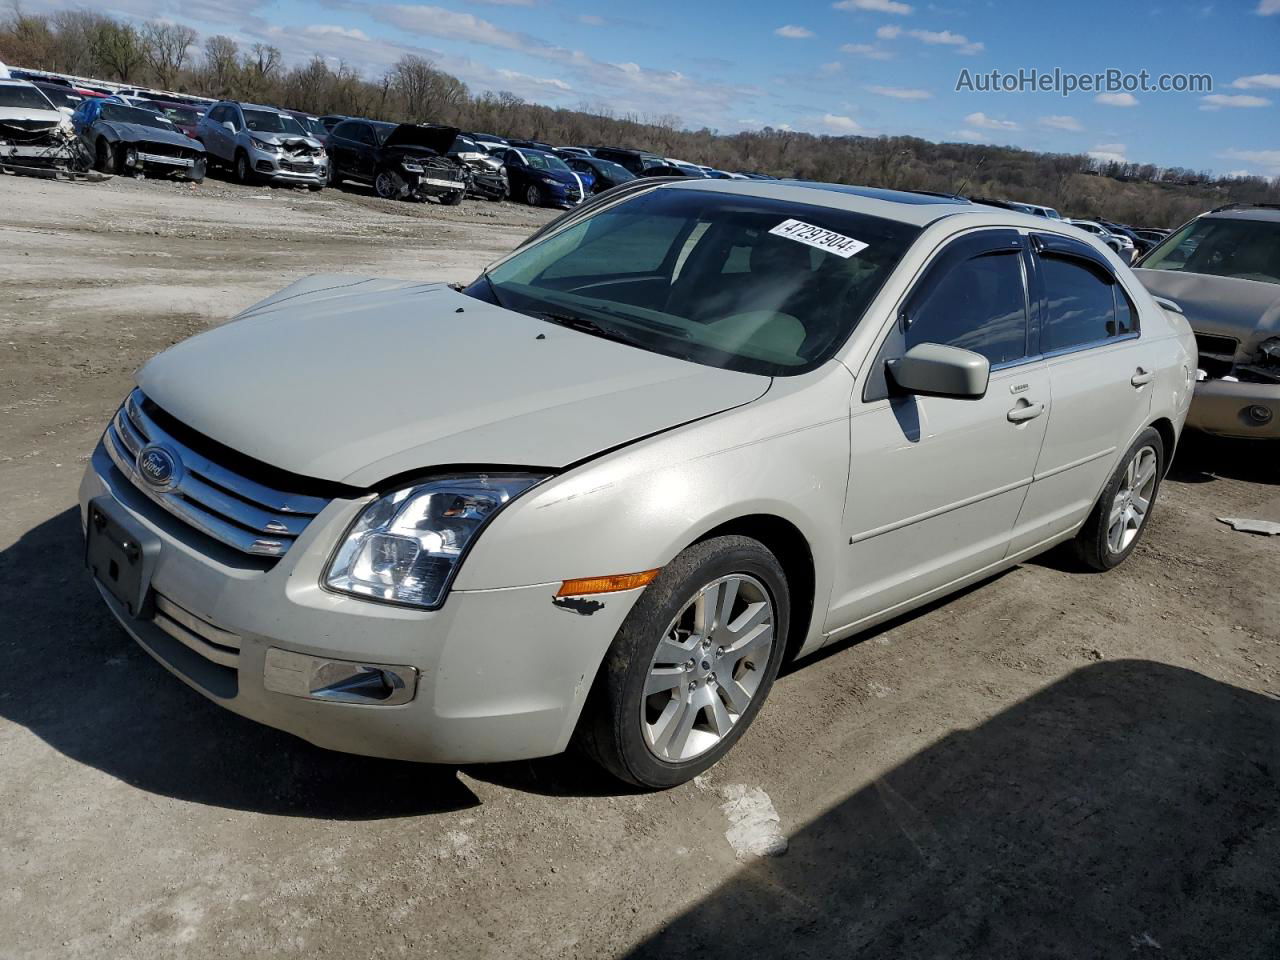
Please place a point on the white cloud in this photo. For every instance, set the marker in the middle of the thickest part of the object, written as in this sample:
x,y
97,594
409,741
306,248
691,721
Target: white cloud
x,y
1263,81
829,69
1267,8
792,32
1216,101
989,123
947,39
1061,122
879,6
1267,160
840,124
591,19
1237,174
866,50
327,30
1116,99
888,32
901,93
1110,153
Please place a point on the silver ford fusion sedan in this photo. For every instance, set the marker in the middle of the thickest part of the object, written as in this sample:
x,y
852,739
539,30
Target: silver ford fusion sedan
x,y
689,431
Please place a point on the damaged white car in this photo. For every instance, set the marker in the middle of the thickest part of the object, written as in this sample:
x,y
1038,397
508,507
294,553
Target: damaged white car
x,y
35,136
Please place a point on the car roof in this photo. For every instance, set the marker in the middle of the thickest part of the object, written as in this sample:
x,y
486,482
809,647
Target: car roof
x,y
1245,212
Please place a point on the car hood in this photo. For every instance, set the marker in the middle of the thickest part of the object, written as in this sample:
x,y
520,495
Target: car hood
x,y
357,380
1247,310
138,132
33,114
289,140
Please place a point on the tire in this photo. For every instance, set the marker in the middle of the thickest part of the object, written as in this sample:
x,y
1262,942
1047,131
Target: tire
x,y
105,159
243,173
1123,512
388,185
315,187
640,738
452,199
533,195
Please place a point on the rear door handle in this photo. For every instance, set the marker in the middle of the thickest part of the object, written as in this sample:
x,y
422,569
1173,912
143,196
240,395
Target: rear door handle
x,y
1141,378
1021,414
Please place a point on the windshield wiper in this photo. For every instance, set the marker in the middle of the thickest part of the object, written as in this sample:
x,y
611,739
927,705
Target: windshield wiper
x,y
585,325
656,325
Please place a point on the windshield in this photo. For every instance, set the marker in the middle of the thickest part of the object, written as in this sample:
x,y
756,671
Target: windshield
x,y
187,116
62,97
613,171
20,95
312,126
544,161
1244,249
707,277
382,130
268,121
143,118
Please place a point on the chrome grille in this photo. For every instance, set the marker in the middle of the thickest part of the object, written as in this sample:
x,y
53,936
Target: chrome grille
x,y
212,643
227,506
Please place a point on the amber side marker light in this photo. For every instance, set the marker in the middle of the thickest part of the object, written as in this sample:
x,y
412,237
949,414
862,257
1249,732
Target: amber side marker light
x,y
619,581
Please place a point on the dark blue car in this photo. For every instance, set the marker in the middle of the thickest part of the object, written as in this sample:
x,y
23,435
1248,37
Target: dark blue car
x,y
543,179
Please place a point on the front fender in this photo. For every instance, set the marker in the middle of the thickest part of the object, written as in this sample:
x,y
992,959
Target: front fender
x,y
785,455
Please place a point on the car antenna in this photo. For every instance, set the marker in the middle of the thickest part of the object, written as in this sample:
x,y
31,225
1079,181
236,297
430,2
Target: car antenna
x,y
981,160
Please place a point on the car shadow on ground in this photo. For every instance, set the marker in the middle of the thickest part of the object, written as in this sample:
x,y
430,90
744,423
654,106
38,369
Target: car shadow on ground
x,y
1130,809
76,680
1203,459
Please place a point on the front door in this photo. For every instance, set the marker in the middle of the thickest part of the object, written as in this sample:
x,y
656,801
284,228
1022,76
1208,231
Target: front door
x,y
936,484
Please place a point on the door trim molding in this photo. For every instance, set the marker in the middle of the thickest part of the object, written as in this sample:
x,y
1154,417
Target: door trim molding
x,y
939,511
1075,463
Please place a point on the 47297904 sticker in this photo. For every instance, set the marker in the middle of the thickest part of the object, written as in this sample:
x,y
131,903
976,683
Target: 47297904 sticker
x,y
826,240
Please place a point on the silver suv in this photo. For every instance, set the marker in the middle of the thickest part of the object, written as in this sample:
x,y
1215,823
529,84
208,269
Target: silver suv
x,y
262,143
691,430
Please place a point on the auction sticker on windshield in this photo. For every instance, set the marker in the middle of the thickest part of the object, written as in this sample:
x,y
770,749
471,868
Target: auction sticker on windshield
x,y
827,240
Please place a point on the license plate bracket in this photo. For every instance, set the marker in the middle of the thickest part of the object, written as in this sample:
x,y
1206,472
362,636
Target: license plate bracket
x,y
121,554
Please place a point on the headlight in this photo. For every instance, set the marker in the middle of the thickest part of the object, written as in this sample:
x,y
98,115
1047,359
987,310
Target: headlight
x,y
266,145
406,546
550,181
502,171
412,167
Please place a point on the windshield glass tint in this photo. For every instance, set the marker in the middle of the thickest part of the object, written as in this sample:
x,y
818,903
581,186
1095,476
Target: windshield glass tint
x,y
1244,249
698,275
266,121
183,115
544,161
145,118
613,171
15,95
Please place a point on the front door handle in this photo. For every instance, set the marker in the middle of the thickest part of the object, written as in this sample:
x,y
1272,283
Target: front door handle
x,y
1025,412
1141,378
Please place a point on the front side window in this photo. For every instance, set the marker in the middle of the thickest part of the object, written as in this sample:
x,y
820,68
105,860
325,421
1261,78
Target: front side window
x,y
979,305
1081,305
1220,247
700,276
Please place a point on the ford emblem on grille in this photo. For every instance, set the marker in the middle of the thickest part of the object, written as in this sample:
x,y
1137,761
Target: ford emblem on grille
x,y
160,467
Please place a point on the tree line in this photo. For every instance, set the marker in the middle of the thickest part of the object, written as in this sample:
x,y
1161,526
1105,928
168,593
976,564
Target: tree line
x,y
171,57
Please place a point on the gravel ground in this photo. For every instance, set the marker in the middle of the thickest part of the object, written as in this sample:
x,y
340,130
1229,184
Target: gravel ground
x,y
1051,764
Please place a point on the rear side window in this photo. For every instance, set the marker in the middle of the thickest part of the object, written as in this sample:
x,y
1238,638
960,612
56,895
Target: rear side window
x,y
1081,306
979,305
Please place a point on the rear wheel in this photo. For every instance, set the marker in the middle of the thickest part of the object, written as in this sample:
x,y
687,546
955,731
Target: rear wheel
x,y
691,665
1120,516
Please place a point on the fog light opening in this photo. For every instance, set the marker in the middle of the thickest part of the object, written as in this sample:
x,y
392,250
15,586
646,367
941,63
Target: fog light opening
x,y
1259,414
338,681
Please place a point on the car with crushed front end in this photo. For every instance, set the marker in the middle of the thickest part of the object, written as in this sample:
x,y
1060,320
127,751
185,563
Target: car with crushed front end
x,y
1223,270
689,431
262,144
403,161
35,136
124,139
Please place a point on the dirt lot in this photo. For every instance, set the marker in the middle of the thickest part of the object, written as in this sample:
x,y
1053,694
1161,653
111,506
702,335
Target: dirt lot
x,y
1053,764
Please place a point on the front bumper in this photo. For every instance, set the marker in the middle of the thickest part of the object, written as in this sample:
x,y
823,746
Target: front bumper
x,y
289,169
502,674
1226,408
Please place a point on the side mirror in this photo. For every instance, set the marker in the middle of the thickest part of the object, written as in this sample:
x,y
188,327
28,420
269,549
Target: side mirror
x,y
936,370
230,127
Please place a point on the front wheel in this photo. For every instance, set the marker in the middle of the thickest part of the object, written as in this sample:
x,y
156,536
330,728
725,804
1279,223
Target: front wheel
x,y
691,665
244,173
452,199
533,195
389,185
1121,513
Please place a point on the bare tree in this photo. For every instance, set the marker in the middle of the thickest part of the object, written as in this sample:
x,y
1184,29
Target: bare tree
x,y
117,47
220,58
166,47
258,70
424,92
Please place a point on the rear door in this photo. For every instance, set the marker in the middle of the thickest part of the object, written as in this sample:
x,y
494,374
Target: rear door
x,y
1101,387
936,484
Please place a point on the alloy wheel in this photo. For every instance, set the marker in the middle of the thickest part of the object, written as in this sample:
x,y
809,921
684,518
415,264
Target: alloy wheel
x,y
708,666
533,196
1132,501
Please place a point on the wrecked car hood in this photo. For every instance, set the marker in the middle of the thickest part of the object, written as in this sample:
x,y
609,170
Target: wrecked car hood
x,y
290,141
31,116
439,139
138,132
356,380
1246,310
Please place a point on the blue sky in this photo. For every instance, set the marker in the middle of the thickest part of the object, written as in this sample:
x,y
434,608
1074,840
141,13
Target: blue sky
x,y
852,66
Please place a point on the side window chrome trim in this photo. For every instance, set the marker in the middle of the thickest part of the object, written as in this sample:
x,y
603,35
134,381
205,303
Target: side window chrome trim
x,y
1091,345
